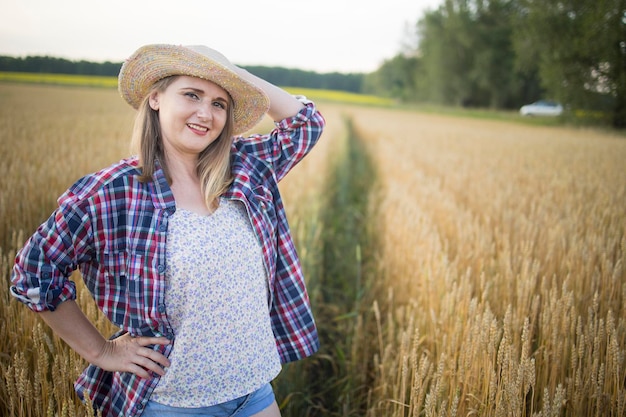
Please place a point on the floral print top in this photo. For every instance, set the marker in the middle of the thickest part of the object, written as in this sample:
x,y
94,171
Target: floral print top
x,y
217,302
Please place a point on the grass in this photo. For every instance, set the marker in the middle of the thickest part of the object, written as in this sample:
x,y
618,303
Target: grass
x,y
111,82
577,118
59,79
345,97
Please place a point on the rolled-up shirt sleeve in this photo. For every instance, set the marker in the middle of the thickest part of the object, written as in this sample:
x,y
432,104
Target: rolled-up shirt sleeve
x,y
290,141
41,273
296,136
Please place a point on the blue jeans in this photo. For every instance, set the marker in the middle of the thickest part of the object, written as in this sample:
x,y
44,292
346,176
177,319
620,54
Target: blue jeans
x,y
245,406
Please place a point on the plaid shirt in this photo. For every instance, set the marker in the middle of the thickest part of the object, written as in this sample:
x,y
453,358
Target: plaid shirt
x,y
114,228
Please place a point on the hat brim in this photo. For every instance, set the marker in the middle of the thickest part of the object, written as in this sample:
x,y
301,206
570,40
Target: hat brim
x,y
151,63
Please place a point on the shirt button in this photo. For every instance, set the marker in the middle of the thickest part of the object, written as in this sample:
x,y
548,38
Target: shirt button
x,y
161,268
140,406
162,227
162,308
170,336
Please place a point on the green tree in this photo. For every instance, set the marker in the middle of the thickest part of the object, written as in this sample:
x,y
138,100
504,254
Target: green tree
x,y
446,52
467,54
578,48
396,78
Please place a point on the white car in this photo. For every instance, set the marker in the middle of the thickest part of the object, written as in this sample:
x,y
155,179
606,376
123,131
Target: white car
x,y
542,108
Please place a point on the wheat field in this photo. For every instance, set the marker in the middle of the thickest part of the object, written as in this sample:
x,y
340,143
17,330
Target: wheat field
x,y
496,285
503,255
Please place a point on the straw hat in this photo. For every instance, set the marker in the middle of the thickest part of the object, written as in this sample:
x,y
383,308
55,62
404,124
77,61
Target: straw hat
x,y
151,63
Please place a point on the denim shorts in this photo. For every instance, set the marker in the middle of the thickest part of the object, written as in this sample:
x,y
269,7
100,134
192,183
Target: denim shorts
x,y
245,406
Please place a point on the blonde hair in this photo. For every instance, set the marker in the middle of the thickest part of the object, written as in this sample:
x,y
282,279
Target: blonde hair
x,y
213,167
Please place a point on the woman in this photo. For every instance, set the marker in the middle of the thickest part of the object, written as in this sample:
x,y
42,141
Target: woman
x,y
185,247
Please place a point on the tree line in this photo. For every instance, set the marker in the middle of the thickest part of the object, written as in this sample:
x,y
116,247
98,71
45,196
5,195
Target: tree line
x,y
53,65
505,53
286,77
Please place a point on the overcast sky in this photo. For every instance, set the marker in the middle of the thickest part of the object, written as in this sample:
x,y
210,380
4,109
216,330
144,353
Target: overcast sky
x,y
320,35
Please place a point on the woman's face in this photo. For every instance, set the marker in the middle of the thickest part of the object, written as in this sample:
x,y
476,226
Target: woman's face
x,y
192,114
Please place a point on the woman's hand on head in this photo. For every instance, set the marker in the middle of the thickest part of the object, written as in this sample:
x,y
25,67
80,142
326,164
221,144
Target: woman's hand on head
x,y
282,104
133,354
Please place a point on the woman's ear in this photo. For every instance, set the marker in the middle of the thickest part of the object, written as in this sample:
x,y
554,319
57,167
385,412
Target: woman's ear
x,y
154,100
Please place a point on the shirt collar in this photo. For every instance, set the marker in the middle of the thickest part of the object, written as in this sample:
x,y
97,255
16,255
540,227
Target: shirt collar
x,y
162,196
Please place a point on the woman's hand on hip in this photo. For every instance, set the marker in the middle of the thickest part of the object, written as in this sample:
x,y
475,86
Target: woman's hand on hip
x,y
123,354
133,354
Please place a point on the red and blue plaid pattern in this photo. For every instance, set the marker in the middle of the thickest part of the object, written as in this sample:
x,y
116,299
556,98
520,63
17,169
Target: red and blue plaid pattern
x,y
113,228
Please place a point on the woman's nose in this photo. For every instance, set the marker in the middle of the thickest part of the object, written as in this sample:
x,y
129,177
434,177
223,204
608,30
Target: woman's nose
x,y
204,111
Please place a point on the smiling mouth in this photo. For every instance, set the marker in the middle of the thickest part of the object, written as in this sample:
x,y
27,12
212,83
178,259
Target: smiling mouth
x,y
197,127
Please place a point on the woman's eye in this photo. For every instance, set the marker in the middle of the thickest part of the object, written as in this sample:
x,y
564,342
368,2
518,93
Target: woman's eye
x,y
192,95
219,104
